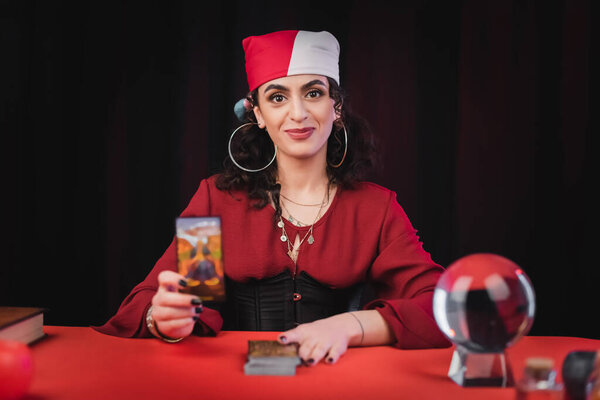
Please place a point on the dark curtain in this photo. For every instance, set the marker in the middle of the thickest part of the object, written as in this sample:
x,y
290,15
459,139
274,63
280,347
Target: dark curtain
x,y
113,112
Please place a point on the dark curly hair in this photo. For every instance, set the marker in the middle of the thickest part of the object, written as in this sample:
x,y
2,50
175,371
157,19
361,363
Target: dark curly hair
x,y
253,149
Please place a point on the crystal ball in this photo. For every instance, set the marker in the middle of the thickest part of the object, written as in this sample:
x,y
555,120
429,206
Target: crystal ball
x,y
484,303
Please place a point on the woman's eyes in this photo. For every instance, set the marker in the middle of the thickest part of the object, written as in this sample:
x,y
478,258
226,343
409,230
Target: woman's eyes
x,y
311,94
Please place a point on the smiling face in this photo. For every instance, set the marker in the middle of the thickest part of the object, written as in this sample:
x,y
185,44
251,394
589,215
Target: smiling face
x,y
298,114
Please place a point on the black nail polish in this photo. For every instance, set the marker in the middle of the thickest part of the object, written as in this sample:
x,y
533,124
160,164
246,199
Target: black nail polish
x,y
195,318
310,361
283,339
330,360
182,282
198,310
196,301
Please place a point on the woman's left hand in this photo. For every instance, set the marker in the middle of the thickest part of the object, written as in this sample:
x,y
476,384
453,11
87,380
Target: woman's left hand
x,y
326,338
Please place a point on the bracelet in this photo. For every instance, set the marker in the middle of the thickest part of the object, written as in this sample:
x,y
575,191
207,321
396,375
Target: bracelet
x,y
362,330
151,325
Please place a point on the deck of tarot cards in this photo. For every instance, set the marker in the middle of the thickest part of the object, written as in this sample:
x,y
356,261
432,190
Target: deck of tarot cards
x,y
269,357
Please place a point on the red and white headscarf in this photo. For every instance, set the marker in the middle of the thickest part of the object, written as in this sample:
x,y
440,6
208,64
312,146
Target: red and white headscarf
x,y
286,53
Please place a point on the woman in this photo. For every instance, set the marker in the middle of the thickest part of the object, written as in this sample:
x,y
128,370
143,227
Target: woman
x,y
301,234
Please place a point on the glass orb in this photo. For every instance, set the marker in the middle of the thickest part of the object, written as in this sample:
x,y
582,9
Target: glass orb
x,y
484,303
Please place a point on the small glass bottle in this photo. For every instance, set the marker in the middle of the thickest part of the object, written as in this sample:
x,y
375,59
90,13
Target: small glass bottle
x,y
539,381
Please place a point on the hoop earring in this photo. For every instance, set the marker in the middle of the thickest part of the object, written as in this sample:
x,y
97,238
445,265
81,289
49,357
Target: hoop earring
x,y
236,163
345,148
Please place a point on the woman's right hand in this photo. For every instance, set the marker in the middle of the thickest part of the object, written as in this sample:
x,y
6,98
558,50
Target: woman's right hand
x,y
174,313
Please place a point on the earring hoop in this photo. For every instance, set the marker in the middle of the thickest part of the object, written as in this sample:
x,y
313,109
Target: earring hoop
x,y
236,163
345,148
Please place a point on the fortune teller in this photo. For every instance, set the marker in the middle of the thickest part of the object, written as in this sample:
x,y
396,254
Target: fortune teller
x,y
302,234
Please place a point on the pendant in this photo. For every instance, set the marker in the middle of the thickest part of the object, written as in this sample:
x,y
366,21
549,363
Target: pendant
x,y
280,224
311,239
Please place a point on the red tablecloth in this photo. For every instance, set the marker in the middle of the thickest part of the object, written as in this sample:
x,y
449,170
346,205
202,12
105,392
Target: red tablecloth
x,y
80,363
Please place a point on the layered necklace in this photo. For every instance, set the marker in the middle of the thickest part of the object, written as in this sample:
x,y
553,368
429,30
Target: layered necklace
x,y
308,236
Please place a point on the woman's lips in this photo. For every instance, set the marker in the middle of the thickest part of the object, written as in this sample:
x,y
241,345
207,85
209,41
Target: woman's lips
x,y
300,133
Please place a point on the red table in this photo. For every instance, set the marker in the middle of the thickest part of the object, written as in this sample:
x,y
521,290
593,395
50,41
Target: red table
x,y
80,363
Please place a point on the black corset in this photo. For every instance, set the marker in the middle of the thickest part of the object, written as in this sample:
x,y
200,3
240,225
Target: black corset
x,y
280,303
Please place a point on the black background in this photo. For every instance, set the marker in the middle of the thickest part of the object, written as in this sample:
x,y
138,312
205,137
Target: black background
x,y
111,114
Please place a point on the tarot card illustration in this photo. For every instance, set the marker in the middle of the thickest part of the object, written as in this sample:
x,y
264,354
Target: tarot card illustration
x,y
200,257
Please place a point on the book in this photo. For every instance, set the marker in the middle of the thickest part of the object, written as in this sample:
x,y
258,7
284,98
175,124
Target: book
x,y
200,257
269,357
23,324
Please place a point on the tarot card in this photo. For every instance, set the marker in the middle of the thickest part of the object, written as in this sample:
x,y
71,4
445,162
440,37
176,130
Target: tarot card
x,y
200,257
269,357
271,349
